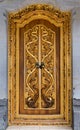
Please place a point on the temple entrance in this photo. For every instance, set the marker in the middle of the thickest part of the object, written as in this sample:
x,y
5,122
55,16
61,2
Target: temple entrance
x,y
39,66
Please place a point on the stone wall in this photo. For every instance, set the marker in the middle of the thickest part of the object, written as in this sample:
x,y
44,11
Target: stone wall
x,y
3,114
76,114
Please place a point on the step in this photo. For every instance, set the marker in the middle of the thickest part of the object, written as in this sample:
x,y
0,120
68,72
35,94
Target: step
x,y
38,128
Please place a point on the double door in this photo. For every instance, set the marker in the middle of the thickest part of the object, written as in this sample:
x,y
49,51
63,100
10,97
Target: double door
x,y
39,68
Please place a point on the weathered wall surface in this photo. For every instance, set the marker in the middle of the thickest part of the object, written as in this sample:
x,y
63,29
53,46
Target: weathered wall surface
x,y
3,114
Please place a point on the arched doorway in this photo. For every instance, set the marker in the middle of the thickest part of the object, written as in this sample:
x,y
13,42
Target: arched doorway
x,y
39,66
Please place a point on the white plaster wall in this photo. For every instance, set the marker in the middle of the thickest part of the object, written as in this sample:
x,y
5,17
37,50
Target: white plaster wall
x,y
9,5
76,53
3,56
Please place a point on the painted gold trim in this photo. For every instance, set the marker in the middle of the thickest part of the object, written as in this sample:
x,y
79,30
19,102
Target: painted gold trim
x,y
17,20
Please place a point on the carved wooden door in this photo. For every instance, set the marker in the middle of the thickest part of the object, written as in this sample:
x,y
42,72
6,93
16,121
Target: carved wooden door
x,y
39,68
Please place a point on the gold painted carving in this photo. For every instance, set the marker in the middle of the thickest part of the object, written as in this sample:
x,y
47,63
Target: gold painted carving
x,y
62,20
40,83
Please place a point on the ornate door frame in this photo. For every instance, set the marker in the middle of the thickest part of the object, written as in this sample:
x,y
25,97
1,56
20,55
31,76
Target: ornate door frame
x,y
18,20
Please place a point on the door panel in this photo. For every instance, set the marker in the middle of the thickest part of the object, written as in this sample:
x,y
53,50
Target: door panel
x,y
40,68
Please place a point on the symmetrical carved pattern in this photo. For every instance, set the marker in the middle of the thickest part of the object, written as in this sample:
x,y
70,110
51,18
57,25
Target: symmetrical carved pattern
x,y
43,66
39,44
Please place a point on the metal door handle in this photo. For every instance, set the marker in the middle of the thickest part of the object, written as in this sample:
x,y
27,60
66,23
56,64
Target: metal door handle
x,y
39,66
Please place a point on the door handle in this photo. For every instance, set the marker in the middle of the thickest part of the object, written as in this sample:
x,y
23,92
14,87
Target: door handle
x,y
39,66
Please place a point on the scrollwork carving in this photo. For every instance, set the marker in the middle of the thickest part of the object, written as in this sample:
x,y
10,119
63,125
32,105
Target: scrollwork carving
x,y
31,43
